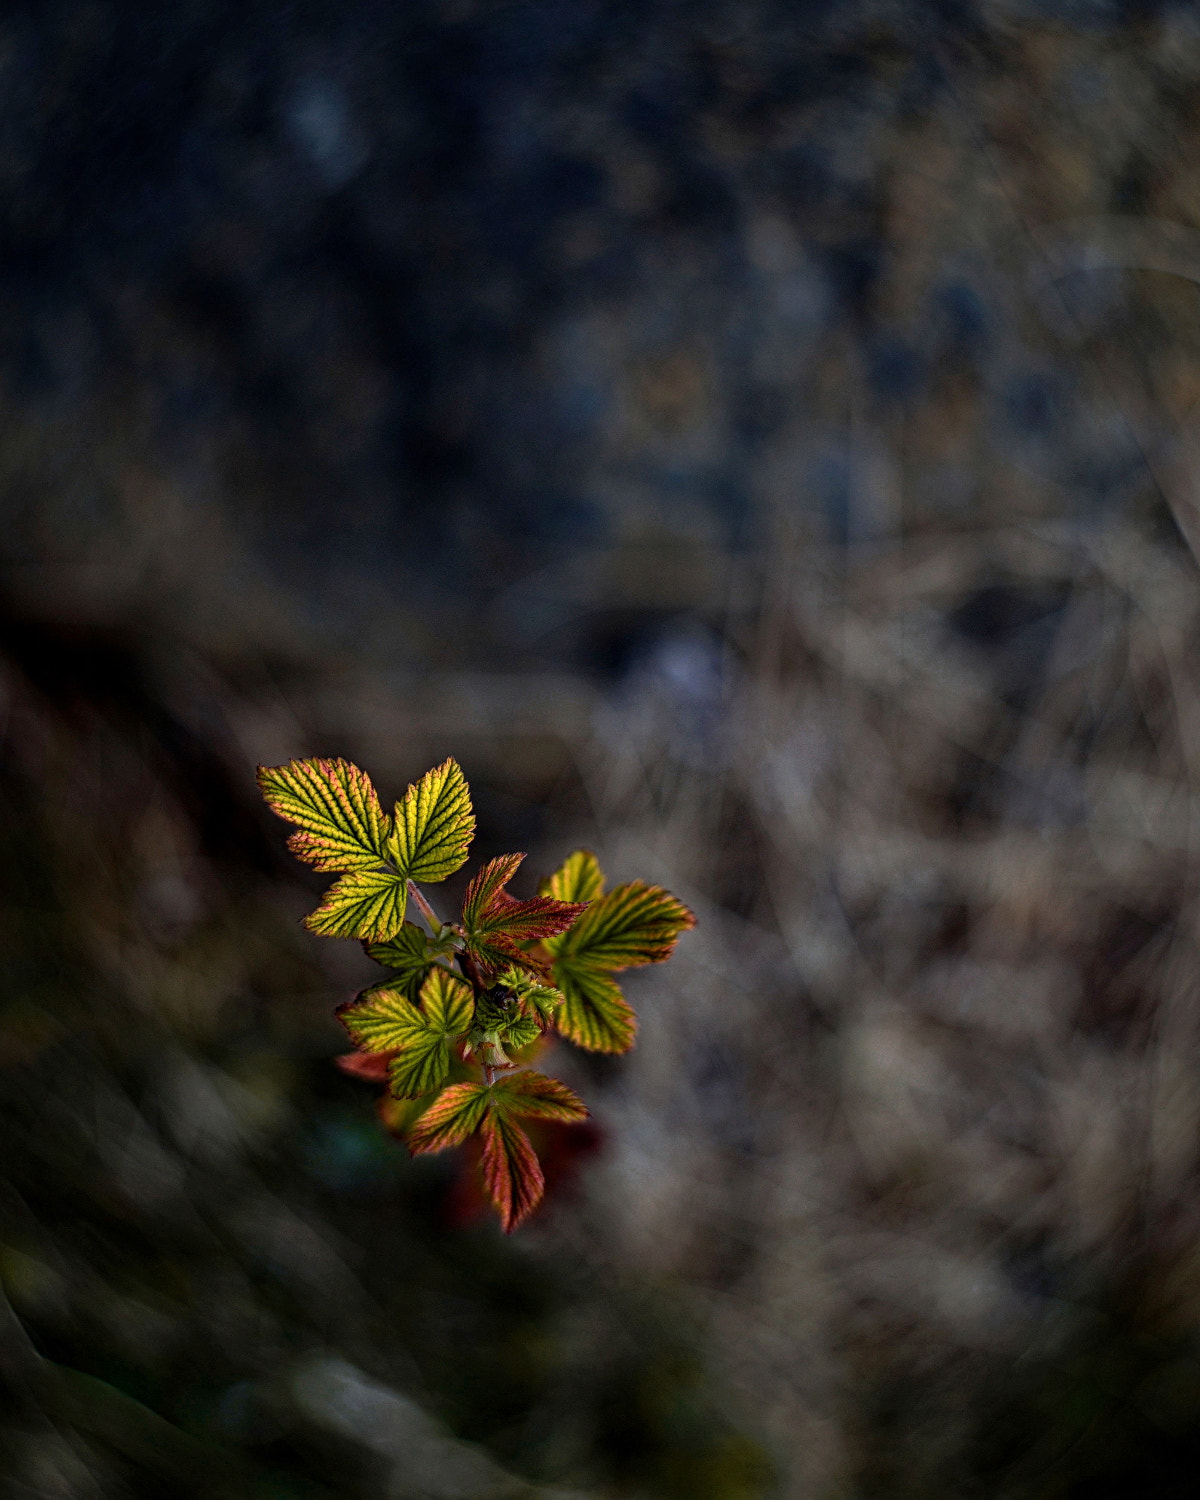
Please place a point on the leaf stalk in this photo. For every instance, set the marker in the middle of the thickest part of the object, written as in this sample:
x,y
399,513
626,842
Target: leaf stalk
x,y
427,911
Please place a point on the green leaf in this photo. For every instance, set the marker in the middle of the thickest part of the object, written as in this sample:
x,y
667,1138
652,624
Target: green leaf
x,y
454,1115
494,1013
494,1009
498,1026
420,1068
447,1007
594,1013
433,825
447,1002
410,953
537,999
495,925
511,1170
382,1020
578,878
364,904
341,825
634,924
521,1031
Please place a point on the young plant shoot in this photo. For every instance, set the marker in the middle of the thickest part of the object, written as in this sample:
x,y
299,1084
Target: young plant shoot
x,y
468,1004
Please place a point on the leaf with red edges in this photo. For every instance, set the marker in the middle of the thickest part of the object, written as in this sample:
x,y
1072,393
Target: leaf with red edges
x,y
418,1038
633,924
410,953
533,1096
578,878
510,1165
455,1114
365,904
511,1170
340,824
594,1014
433,825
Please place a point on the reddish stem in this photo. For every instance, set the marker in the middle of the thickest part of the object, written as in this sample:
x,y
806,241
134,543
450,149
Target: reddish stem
x,y
426,910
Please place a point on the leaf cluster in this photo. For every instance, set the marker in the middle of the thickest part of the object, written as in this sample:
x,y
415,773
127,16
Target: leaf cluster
x,y
467,1005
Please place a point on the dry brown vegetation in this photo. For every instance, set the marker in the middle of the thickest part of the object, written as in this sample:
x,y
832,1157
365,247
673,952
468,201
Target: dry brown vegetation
x,y
884,654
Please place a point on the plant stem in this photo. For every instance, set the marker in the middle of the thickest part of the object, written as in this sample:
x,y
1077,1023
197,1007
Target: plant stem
x,y
426,910
435,926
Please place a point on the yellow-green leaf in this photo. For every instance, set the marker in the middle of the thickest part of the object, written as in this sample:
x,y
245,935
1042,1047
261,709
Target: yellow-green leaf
x,y
634,924
447,1002
521,1031
364,904
447,1008
594,1014
382,1020
420,1068
578,878
340,823
433,825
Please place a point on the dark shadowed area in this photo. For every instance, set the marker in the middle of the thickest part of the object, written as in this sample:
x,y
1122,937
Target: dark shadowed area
x,y
760,442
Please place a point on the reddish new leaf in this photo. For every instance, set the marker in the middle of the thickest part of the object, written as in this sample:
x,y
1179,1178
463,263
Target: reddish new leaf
x,y
529,921
372,1066
533,1096
510,1164
495,924
511,1170
485,883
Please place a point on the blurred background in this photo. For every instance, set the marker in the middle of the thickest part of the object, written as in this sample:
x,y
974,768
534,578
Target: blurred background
x,y
758,439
